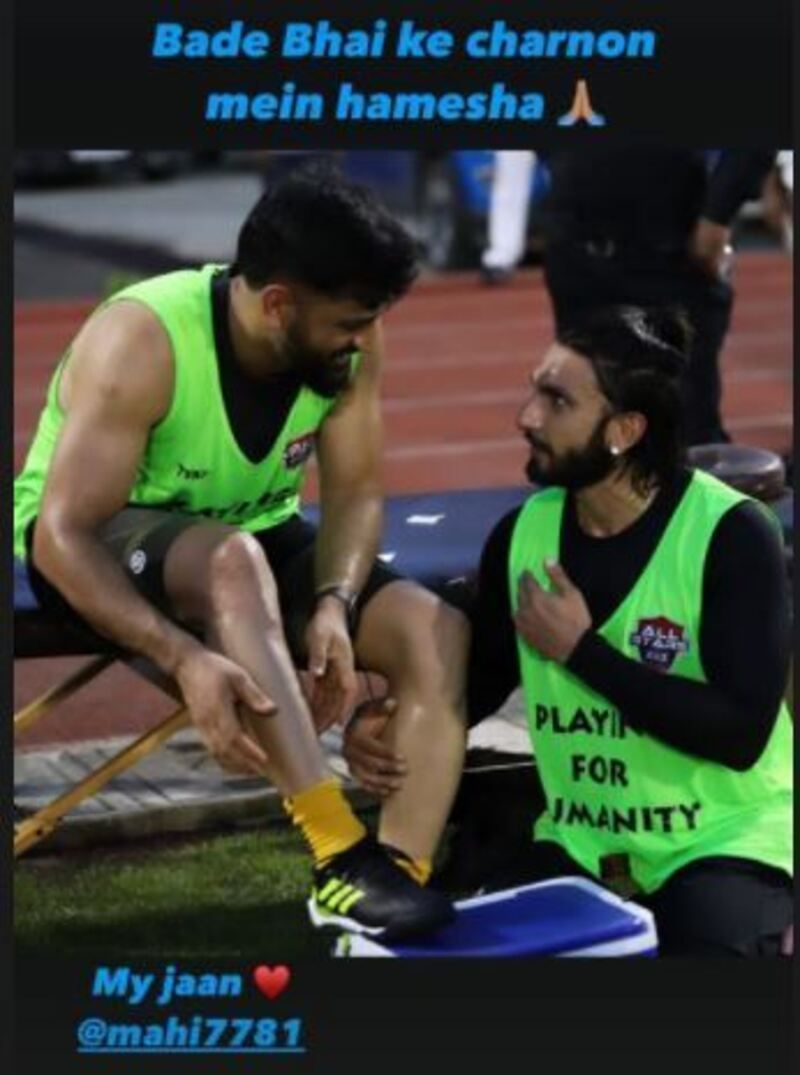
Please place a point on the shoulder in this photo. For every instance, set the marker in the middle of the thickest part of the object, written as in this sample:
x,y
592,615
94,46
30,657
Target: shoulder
x,y
492,601
750,527
740,525
122,355
543,507
745,554
498,543
125,324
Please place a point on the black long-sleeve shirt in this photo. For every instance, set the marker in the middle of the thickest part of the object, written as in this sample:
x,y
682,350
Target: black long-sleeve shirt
x,y
627,192
744,631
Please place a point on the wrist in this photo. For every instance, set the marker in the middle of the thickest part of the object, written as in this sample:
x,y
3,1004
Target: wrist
x,y
178,649
583,641
339,597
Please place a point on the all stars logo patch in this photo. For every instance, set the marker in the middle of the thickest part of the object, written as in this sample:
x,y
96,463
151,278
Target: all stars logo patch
x,y
659,641
298,451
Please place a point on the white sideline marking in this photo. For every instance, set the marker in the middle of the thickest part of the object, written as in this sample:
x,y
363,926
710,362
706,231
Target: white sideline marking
x,y
424,520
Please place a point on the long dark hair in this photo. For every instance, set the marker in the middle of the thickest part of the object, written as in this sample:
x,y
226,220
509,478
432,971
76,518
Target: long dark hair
x,y
639,356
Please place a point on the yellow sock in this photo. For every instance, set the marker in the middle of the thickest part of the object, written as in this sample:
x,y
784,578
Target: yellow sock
x,y
418,870
325,819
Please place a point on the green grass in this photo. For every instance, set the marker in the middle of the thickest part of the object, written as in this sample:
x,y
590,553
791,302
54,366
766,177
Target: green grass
x,y
226,896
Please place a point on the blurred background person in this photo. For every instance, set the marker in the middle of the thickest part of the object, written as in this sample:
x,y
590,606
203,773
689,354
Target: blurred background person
x,y
509,199
652,225
778,198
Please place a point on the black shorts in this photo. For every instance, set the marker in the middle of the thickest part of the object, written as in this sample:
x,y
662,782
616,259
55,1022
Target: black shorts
x,y
139,539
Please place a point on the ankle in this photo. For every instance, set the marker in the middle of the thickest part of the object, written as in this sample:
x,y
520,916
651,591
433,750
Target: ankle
x,y
418,869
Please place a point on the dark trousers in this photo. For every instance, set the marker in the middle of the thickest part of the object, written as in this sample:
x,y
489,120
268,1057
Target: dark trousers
x,y
715,906
581,277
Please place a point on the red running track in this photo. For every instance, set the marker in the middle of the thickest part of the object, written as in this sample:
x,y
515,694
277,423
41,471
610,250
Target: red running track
x,y
456,373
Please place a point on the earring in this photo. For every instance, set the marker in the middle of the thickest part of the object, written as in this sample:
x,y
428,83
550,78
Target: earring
x,y
614,449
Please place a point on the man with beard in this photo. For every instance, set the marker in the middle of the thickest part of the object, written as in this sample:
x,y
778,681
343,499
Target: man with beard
x,y
160,503
642,606
652,226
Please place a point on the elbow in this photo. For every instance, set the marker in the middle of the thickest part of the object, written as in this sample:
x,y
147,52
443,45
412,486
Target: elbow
x,y
747,748
741,763
51,547
745,756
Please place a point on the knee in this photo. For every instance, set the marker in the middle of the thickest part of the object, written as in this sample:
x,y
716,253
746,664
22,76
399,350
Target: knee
x,y
451,633
240,575
429,646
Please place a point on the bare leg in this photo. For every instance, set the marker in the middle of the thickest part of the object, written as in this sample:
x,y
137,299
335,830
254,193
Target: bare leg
x,y
225,583
220,578
420,645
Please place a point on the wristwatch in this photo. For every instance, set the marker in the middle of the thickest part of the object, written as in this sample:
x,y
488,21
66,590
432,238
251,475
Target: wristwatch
x,y
349,598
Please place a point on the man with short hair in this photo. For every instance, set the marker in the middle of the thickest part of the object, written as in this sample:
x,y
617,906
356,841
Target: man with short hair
x,y
160,502
642,606
652,226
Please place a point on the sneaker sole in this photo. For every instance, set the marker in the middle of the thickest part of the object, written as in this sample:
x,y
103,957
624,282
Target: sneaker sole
x,y
399,931
322,919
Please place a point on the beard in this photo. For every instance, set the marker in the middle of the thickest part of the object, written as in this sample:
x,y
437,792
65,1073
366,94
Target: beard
x,y
574,469
326,373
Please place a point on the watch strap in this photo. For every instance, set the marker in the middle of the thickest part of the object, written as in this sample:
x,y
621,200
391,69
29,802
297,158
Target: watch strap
x,y
349,598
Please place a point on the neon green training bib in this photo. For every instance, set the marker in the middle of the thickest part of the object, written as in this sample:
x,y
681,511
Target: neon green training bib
x,y
611,789
192,462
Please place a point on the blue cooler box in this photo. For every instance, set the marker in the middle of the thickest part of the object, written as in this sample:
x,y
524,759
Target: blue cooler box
x,y
569,916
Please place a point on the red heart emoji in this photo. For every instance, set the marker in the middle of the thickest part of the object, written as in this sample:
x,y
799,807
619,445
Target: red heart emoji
x,y
272,980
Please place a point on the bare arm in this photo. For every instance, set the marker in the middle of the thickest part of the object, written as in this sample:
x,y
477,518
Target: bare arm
x,y
351,499
351,492
115,386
